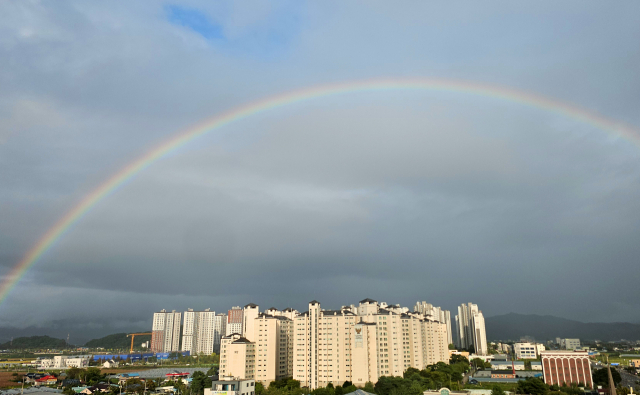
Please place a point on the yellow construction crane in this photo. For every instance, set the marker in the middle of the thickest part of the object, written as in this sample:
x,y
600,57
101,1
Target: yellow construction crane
x,y
133,336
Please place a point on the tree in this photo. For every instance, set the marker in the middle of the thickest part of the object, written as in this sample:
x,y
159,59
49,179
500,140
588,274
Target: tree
x,y
347,384
457,358
481,364
92,376
199,381
533,386
134,385
452,346
259,388
213,371
497,390
368,387
601,377
74,373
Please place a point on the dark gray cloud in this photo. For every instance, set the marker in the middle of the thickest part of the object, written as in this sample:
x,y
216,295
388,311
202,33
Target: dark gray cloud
x,y
395,195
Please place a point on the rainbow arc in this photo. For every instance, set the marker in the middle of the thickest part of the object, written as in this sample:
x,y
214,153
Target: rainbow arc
x,y
184,137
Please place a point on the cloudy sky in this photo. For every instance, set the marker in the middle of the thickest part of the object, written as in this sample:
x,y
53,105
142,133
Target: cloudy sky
x,y
397,195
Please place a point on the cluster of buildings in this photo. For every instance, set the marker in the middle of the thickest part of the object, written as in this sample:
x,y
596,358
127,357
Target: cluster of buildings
x,y
64,362
471,333
357,343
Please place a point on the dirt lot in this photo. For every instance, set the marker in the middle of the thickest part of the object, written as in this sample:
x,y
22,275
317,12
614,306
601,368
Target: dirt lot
x,y
5,379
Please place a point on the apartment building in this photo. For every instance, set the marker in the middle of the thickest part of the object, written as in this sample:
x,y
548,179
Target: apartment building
x,y
332,346
202,331
165,331
437,314
234,321
274,347
237,357
566,367
470,327
270,347
318,347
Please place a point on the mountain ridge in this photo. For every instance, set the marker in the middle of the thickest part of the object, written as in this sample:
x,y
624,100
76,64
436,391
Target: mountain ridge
x,y
513,326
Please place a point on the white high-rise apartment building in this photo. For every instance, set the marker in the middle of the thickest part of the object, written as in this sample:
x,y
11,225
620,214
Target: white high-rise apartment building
x,y
165,332
318,347
331,346
437,314
471,329
202,331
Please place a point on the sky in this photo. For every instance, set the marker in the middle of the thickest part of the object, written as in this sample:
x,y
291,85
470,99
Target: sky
x,y
395,195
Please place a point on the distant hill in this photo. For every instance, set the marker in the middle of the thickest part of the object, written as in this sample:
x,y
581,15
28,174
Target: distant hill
x,y
513,326
34,342
117,341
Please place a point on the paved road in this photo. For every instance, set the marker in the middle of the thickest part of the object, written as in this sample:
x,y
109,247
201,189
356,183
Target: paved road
x,y
629,379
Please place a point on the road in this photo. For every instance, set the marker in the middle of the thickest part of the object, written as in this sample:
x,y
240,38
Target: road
x,y
629,380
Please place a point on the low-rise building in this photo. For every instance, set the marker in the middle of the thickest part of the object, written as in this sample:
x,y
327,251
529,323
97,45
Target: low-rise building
x,y
570,344
535,365
502,374
64,362
231,386
46,380
525,350
110,364
507,365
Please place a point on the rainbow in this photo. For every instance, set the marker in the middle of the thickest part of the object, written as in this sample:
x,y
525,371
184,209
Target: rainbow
x,y
180,139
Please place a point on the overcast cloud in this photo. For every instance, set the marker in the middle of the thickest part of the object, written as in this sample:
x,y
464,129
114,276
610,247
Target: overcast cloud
x,y
394,195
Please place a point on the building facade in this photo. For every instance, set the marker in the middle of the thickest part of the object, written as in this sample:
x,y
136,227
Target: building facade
x,y
436,314
570,344
165,332
202,331
566,367
332,346
525,350
237,357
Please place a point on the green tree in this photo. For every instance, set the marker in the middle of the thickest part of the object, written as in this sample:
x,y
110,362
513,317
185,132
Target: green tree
x,y
457,358
533,386
497,390
199,381
134,385
601,377
74,373
338,390
213,371
347,384
68,391
259,388
368,387
92,376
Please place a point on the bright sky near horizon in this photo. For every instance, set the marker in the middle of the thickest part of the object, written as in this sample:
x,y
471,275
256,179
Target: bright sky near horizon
x,y
396,195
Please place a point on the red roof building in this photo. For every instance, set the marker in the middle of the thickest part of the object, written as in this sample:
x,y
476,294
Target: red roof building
x,y
566,368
